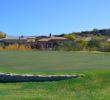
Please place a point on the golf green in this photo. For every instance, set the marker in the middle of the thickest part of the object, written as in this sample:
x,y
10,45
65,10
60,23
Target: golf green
x,y
50,61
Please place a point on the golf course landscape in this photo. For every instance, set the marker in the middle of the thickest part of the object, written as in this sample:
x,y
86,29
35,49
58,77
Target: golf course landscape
x,y
95,67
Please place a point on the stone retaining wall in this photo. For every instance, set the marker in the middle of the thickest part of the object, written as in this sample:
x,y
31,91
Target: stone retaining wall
x,y
28,78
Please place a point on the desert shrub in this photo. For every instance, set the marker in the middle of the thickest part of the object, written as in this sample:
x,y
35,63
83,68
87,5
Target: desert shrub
x,y
17,47
68,46
95,42
105,46
1,34
1,49
76,47
28,48
83,42
70,37
93,48
11,47
21,47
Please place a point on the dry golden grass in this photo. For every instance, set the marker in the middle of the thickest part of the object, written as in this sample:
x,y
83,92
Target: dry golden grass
x,y
14,47
1,49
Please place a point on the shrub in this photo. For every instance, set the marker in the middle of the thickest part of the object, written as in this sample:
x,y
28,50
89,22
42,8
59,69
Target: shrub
x,y
28,48
21,47
68,46
95,42
1,49
70,37
11,47
17,47
92,48
83,42
106,47
1,34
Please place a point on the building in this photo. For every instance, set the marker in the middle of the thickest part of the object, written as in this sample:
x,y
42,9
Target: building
x,y
99,31
29,39
12,40
50,42
103,32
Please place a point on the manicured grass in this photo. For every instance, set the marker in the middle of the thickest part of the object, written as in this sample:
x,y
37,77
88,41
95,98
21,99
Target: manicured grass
x,y
53,61
95,85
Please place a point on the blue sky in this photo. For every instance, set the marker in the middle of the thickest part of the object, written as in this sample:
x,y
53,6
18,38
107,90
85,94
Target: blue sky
x,y
41,17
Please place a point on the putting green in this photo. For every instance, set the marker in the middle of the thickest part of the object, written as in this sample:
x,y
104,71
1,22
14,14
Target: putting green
x,y
48,61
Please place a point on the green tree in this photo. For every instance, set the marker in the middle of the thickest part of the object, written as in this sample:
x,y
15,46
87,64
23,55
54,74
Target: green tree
x,y
63,34
94,30
106,46
1,34
95,42
70,37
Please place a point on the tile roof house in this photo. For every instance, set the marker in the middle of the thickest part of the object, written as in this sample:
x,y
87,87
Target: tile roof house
x,y
50,42
11,40
29,39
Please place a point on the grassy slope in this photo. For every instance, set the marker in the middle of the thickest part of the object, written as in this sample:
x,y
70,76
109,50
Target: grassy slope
x,y
94,86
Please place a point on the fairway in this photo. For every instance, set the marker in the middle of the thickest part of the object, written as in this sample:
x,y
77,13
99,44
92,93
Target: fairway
x,y
53,61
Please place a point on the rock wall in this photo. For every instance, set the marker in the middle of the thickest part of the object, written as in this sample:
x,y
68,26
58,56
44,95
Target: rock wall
x,y
28,78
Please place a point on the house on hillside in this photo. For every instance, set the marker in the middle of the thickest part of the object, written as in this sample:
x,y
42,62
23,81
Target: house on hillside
x,y
50,42
12,40
99,31
30,40
103,31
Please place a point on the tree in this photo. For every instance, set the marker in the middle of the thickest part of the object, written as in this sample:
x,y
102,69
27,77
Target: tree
x,y
63,34
70,37
106,46
1,34
94,30
95,42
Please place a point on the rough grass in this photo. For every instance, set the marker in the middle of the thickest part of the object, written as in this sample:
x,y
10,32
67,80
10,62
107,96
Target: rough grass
x,y
51,61
95,85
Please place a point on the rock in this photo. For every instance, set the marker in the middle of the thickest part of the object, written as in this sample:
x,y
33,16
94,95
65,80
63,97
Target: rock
x,y
28,78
